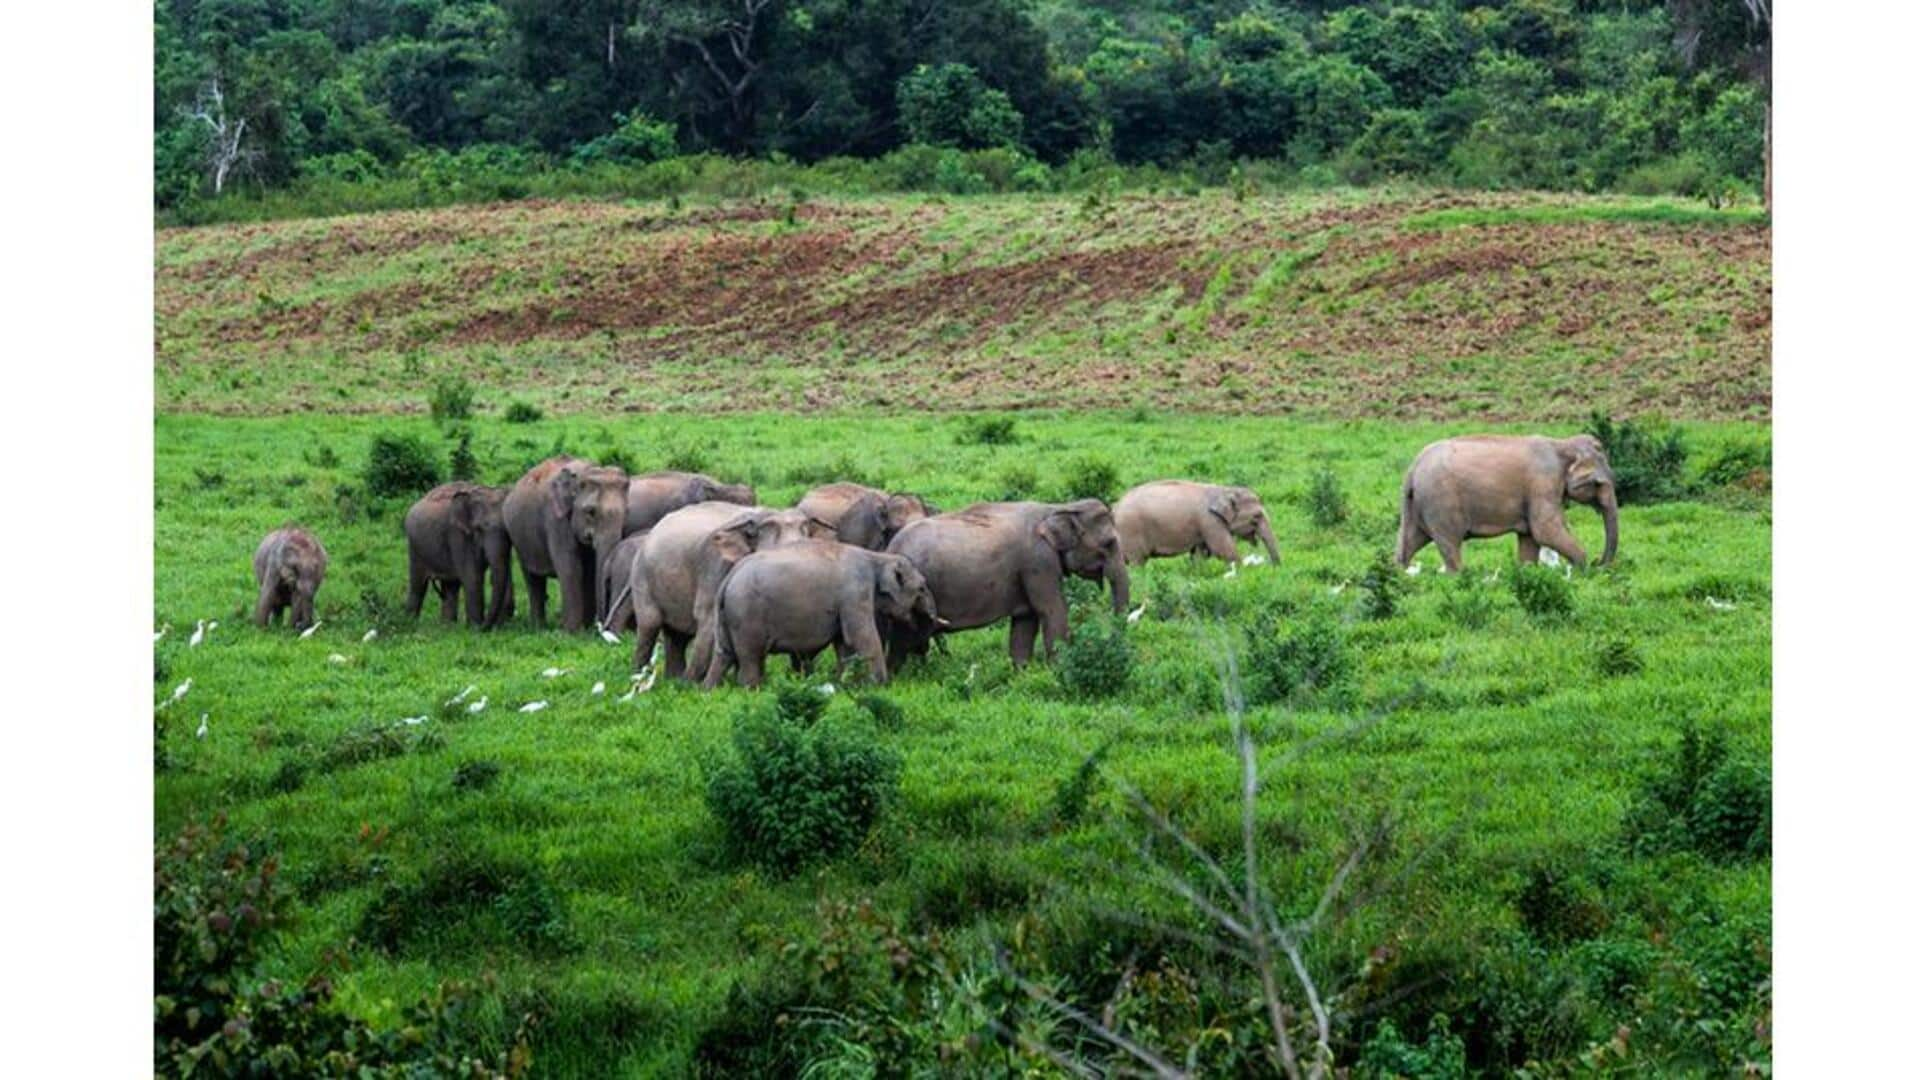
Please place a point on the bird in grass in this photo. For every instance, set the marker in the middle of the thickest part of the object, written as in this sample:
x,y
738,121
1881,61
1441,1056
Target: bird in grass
x,y
369,635
478,706
413,721
533,706
336,658
178,693
642,682
462,695
199,633
1549,557
1337,589
201,731
1232,571
1413,569
1255,559
553,673
162,632
598,688
1718,604
308,632
609,636
1134,615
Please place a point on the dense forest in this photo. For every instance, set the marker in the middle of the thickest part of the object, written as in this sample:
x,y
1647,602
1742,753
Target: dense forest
x,y
1637,95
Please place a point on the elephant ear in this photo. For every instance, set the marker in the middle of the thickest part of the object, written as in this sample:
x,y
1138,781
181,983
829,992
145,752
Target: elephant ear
x,y
903,510
818,529
561,493
1060,529
1581,476
1223,503
893,581
740,536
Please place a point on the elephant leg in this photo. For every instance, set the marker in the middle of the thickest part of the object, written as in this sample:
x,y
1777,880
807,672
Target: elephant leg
x,y
1550,530
416,585
748,647
576,601
303,609
863,638
1527,550
802,663
1449,552
1219,541
473,584
263,609
647,624
676,659
536,598
1412,539
1020,638
449,599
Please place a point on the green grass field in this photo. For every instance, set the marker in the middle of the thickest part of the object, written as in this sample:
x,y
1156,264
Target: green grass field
x,y
567,859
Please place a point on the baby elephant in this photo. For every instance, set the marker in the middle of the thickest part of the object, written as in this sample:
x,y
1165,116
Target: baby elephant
x,y
1490,485
1174,517
456,537
799,598
290,564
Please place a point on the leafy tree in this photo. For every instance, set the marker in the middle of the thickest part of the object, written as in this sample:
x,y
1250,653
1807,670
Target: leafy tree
x,y
948,105
1737,35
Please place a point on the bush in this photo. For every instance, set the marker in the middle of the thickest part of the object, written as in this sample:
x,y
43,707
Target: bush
x,y
477,775
1556,907
1648,457
1018,482
1618,657
1090,478
400,465
217,902
1466,603
461,463
451,399
689,457
1326,503
1748,465
796,791
522,412
463,892
949,105
637,139
1542,592
1294,666
986,431
1384,584
1443,1056
1702,799
1097,661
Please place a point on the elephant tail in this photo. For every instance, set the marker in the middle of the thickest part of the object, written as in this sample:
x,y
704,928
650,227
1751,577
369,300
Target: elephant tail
x,y
1410,533
723,655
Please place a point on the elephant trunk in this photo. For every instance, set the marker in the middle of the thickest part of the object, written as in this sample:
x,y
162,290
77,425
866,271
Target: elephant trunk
x,y
1117,581
1266,538
1610,516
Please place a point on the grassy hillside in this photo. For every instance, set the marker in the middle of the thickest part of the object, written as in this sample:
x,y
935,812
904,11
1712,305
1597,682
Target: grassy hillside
x,y
1507,745
1363,305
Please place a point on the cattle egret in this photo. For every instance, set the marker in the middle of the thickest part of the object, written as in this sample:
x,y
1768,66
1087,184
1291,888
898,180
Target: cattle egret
x,y
199,633
642,682
609,637
478,705
369,635
533,706
1134,615
553,673
1254,560
178,693
412,721
1549,557
828,689
462,695
1413,569
1232,571
201,731
336,658
308,632
1337,589
162,632
598,688
1718,604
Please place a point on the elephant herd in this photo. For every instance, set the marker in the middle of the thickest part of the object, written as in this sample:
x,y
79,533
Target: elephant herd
x,y
877,575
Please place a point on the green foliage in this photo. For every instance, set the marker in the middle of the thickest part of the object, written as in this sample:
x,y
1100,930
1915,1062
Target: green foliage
x,y
949,105
460,897
1326,502
1295,661
1619,657
1441,1056
1071,797
400,465
476,775
799,788
461,463
1467,602
1649,457
217,903
1542,592
522,412
1018,482
636,139
1703,798
1090,478
984,430
1097,661
452,399
1383,584
1742,464
1556,906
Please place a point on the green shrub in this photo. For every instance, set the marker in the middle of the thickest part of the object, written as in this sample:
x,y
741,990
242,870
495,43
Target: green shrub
x,y
1703,799
1090,478
1466,602
477,775
1295,665
983,430
886,713
459,894
1442,1056
1542,591
461,462
522,412
1744,464
800,702
636,139
1383,585
217,903
1649,457
689,457
1097,661
1326,502
1618,657
400,465
1018,482
1556,906
375,742
796,792
451,399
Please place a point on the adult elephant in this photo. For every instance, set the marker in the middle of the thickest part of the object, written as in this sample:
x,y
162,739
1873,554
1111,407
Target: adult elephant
x,y
800,598
994,561
863,516
1174,517
456,538
565,516
676,574
1490,485
653,496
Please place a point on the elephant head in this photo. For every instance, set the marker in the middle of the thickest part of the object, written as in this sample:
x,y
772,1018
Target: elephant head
x,y
1089,545
712,490
479,521
1244,516
592,501
902,593
764,528
904,508
1589,480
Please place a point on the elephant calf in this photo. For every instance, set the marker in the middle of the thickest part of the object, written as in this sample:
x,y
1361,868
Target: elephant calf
x,y
611,592
456,537
863,516
800,598
996,561
289,564
1174,517
1490,485
652,496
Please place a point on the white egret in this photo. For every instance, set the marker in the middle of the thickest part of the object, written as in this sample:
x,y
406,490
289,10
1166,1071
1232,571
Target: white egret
x,y
533,706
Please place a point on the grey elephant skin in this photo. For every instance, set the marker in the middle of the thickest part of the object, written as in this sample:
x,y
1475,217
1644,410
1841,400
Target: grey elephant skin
x,y
456,541
610,589
652,496
1177,517
863,516
565,516
801,598
994,561
676,574
289,566
1491,485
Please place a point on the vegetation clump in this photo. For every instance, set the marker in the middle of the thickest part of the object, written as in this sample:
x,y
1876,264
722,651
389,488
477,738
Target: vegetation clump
x,y
986,431
1382,586
451,399
1326,502
1297,663
1542,592
1090,478
522,412
400,465
1097,661
1649,457
1703,798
